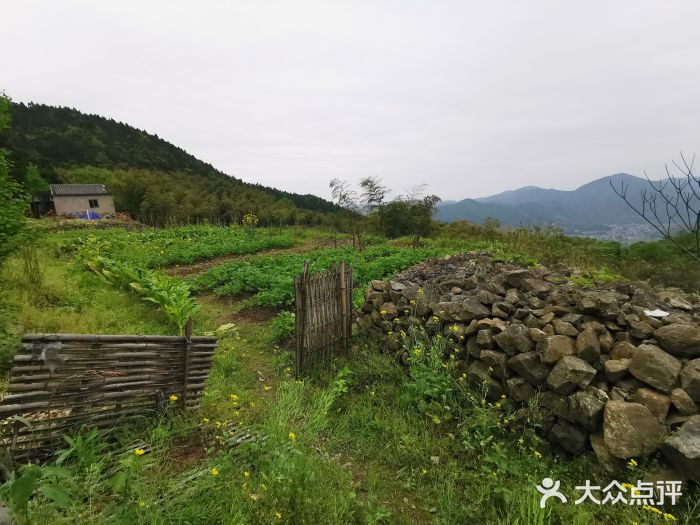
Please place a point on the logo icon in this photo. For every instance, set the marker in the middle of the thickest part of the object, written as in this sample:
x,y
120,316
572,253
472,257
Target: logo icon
x,y
549,489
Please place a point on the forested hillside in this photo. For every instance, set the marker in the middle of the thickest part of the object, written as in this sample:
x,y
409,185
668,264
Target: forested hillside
x,y
151,179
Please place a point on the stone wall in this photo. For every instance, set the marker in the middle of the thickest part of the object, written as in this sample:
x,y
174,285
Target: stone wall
x,y
617,367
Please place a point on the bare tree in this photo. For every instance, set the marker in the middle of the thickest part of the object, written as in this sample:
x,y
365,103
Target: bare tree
x,y
373,193
345,197
671,206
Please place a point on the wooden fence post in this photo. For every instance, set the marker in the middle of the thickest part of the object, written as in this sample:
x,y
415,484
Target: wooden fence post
x,y
343,305
186,371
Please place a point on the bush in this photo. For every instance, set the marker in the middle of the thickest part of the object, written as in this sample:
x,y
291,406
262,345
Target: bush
x,y
283,327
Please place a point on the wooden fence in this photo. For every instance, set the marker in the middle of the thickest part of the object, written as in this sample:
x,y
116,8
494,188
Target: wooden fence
x,y
64,381
323,320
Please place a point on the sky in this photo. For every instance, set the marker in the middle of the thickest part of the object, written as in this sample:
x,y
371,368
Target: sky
x,y
470,97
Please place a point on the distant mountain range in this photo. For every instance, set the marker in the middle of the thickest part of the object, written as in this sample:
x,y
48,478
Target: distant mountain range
x,y
592,210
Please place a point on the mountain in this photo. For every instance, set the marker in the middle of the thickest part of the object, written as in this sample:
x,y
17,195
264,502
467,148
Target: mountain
x,y
593,209
151,179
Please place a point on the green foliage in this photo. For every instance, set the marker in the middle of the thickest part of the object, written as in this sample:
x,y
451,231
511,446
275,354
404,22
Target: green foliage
x,y
34,183
271,278
171,294
155,248
13,202
283,327
430,389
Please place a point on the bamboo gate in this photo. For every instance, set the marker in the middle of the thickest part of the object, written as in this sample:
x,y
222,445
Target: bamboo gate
x,y
323,320
60,382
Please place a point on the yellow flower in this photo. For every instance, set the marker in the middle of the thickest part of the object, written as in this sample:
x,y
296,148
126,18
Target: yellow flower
x,y
267,388
537,455
142,503
292,436
205,420
632,463
218,424
139,452
669,517
521,441
424,471
173,397
383,312
233,397
412,301
420,291
214,471
246,474
278,515
627,486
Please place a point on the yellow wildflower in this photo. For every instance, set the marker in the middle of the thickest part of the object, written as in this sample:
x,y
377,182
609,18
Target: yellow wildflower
x,y
205,420
424,471
214,471
233,397
139,452
383,312
246,474
173,397
218,424
669,517
278,515
292,436
267,388
142,503
632,463
537,455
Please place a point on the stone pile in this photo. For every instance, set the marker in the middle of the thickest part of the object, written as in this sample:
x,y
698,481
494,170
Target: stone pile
x,y
616,367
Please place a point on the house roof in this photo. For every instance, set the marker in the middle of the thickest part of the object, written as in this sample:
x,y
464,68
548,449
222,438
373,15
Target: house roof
x,y
61,190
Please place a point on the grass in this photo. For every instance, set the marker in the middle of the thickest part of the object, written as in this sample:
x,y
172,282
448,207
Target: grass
x,y
358,443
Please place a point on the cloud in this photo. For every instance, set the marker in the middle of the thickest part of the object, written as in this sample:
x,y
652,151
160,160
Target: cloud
x,y
470,97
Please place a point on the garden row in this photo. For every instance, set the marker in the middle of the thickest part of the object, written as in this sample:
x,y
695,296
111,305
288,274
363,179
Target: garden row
x,y
157,248
271,278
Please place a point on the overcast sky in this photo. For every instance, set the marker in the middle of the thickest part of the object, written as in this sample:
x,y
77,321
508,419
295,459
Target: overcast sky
x,y
471,97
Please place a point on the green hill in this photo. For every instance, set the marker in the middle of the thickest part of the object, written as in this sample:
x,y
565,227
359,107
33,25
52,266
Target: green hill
x,y
151,179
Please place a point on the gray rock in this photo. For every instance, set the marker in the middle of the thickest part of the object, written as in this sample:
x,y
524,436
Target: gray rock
x,y
655,367
631,430
682,449
657,403
529,366
554,347
683,402
681,339
389,310
586,408
380,286
564,328
569,437
570,372
484,338
497,360
640,329
519,390
514,339
479,378
622,350
600,303
516,278
690,379
538,287
606,460
588,346
616,369
464,311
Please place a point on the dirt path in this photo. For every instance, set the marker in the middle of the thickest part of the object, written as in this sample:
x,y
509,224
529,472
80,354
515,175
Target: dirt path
x,y
185,270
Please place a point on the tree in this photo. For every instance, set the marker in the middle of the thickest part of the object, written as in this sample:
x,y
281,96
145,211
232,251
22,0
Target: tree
x,y
13,201
671,206
345,197
34,183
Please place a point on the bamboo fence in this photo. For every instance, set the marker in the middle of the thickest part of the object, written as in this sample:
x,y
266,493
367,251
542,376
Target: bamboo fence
x,y
323,320
63,381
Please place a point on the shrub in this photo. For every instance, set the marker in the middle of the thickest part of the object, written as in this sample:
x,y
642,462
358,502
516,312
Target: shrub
x,y
283,327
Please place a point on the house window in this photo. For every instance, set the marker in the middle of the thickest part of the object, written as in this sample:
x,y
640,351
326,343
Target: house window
x,y
94,203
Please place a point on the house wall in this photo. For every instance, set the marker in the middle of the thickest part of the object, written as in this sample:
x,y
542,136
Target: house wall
x,y
70,204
